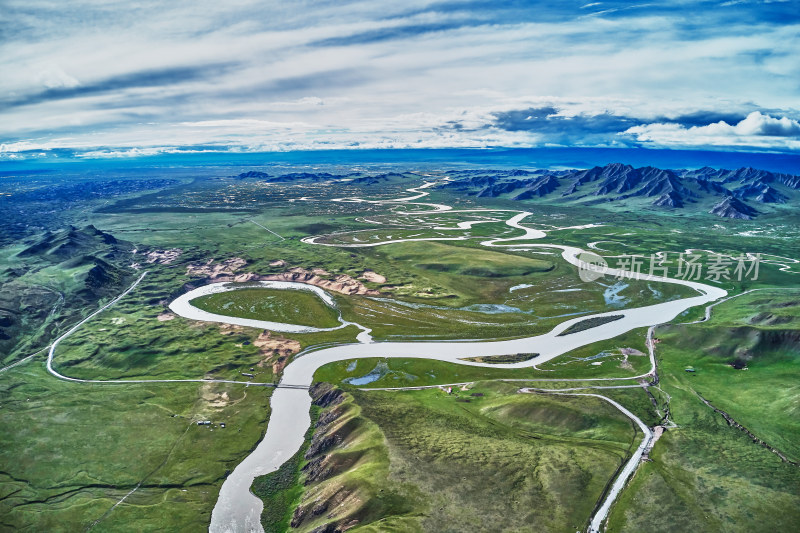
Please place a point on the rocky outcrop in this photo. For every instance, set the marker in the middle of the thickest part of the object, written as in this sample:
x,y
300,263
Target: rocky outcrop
x,y
374,277
325,395
313,509
322,444
228,270
342,283
214,271
162,257
276,351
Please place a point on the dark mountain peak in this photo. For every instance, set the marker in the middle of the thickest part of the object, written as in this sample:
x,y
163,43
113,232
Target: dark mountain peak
x,y
659,182
768,195
104,236
704,173
728,191
748,175
519,172
467,183
618,178
71,241
495,190
580,177
760,192
540,187
789,180
732,207
617,171
709,186
252,174
617,167
373,180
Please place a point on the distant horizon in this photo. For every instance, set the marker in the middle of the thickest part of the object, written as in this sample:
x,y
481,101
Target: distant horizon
x,y
523,158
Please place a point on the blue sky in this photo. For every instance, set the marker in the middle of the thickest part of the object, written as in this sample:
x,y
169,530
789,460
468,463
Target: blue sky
x,y
122,78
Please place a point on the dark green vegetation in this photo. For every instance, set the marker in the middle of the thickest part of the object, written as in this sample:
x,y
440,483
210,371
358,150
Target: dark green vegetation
x,y
68,245
287,306
426,460
590,323
498,359
281,493
48,279
707,475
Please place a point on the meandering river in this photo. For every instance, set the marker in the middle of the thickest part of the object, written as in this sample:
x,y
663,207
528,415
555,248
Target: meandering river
x,y
238,510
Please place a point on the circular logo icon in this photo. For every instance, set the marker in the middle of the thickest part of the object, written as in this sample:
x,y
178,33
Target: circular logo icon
x,y
591,266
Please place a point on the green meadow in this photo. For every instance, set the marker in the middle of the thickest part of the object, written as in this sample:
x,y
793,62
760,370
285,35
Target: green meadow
x,y
706,475
70,452
427,460
276,305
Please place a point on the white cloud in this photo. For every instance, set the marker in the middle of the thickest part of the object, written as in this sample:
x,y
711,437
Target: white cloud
x,y
757,123
273,86
53,77
756,130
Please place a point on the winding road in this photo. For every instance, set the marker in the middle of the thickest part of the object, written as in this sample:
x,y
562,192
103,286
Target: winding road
x,y
238,510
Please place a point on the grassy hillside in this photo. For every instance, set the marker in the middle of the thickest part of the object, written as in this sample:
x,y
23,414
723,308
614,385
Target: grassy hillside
x,y
707,475
426,460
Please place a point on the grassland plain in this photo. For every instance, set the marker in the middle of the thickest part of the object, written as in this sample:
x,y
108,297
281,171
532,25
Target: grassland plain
x,y
71,451
706,475
86,467
426,460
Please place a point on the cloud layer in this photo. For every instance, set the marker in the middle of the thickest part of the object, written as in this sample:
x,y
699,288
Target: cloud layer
x,y
253,75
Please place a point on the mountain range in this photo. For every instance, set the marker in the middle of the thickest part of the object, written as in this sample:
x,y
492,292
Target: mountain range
x,y
737,193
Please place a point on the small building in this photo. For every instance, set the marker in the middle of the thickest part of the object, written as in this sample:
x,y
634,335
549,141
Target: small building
x,y
689,369
204,422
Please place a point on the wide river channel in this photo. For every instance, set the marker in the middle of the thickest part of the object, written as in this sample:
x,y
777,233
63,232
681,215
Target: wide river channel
x,y
238,510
